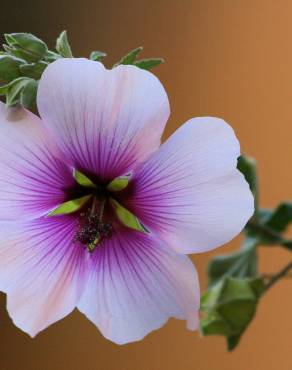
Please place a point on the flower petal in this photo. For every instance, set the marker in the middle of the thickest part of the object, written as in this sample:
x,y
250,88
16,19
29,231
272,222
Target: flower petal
x,y
190,192
42,271
32,178
136,284
106,120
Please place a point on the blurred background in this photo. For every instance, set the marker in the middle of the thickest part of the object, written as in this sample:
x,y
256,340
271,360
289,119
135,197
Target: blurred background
x,y
225,58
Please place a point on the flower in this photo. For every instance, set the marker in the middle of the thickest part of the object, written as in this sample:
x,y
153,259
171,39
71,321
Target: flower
x,y
95,214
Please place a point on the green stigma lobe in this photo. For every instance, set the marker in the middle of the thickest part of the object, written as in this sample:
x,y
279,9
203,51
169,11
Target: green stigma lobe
x,y
83,180
70,206
126,217
119,183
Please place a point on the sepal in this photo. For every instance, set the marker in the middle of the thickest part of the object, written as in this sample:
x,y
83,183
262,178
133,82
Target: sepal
x,y
229,306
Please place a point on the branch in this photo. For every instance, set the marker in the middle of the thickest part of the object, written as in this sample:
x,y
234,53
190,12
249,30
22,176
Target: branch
x,y
266,231
282,273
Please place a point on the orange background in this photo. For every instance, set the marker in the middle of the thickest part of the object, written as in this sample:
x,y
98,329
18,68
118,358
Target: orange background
x,y
226,58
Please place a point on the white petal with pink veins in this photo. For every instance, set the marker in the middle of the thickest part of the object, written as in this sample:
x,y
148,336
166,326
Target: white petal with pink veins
x,y
32,177
106,120
189,192
136,285
42,271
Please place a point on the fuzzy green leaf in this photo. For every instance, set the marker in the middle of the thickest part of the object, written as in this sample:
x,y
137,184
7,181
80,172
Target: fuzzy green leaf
x,y
63,47
9,68
26,46
28,94
126,217
97,55
70,206
148,63
130,57
9,39
51,56
33,70
4,88
14,89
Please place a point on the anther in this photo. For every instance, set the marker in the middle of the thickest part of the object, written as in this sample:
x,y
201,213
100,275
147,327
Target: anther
x,y
92,230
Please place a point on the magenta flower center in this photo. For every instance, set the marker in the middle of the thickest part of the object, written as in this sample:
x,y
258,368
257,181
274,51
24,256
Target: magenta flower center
x,y
92,230
97,218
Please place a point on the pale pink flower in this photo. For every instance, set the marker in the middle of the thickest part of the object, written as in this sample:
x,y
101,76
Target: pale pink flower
x,y
187,193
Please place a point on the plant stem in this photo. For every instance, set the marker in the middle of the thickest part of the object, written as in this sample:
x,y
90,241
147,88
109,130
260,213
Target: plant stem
x,y
279,275
265,230
270,276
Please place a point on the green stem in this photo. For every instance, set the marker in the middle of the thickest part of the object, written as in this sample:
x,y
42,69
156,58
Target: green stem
x,y
270,276
279,275
266,231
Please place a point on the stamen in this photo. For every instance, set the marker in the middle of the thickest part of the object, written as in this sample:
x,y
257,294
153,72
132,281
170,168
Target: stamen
x,y
101,210
92,229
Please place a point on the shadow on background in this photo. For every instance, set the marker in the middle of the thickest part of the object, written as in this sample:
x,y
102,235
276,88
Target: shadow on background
x,y
231,59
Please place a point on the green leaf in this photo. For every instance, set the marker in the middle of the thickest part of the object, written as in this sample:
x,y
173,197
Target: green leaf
x,y
232,341
119,183
9,67
70,206
241,264
63,47
28,94
9,39
83,180
51,56
247,166
21,54
126,217
4,88
130,57
13,90
270,225
97,55
33,70
148,63
213,324
280,218
26,46
211,296
229,306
